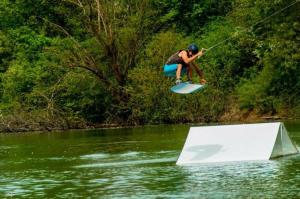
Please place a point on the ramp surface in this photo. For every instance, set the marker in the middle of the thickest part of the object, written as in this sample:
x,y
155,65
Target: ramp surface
x,y
235,143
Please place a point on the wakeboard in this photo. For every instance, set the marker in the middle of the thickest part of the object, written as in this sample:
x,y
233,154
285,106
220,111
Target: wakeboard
x,y
187,88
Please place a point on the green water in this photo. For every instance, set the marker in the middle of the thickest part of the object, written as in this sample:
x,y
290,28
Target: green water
x,y
134,163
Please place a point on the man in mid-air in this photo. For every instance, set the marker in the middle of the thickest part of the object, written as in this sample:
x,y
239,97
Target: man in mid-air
x,y
182,62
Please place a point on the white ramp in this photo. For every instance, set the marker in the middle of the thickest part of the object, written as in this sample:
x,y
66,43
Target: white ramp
x,y
236,143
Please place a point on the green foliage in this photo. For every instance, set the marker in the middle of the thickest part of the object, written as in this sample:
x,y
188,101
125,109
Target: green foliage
x,y
6,51
63,61
275,85
191,16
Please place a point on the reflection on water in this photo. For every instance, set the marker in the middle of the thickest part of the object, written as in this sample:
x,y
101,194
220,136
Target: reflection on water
x,y
127,163
134,163
204,151
94,156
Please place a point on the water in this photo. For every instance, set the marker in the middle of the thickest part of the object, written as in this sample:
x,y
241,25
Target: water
x,y
133,163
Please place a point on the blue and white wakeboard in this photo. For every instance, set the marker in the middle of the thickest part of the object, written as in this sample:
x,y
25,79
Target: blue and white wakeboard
x,y
186,88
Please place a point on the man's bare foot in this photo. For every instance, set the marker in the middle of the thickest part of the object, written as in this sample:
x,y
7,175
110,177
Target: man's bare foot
x,y
202,81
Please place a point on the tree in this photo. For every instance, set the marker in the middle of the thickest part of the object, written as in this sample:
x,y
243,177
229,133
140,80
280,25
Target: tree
x,y
116,32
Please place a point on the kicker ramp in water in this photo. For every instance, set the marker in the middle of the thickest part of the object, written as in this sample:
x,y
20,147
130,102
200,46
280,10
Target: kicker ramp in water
x,y
244,142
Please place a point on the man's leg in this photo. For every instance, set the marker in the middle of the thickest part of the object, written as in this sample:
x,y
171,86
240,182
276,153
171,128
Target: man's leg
x,y
189,73
178,72
201,75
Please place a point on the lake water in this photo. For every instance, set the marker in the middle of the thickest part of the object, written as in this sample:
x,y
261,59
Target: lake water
x,y
134,163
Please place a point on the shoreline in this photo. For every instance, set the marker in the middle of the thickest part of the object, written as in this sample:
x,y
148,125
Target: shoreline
x,y
120,126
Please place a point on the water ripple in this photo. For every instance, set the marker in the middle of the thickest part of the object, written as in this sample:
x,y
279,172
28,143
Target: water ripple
x,y
127,163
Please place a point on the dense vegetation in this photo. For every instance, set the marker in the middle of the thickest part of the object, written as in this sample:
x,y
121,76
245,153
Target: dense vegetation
x,y
73,63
